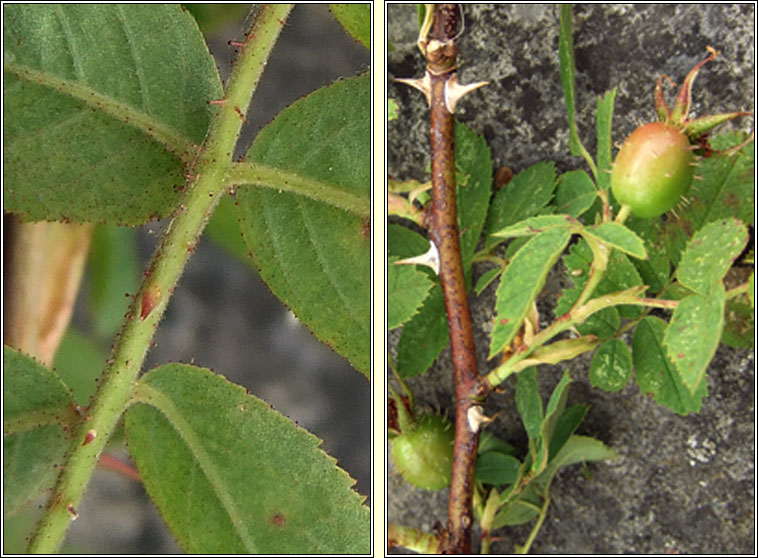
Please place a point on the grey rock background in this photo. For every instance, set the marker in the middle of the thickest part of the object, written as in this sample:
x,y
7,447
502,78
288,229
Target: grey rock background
x,y
680,484
222,316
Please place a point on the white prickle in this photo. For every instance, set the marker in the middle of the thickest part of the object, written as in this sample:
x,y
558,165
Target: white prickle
x,y
454,91
423,84
476,418
430,259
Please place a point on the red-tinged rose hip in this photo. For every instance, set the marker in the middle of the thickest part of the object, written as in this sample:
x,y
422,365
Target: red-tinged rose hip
x,y
424,455
653,169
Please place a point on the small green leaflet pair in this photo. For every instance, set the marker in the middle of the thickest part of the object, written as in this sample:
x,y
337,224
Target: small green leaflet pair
x,y
196,440
521,487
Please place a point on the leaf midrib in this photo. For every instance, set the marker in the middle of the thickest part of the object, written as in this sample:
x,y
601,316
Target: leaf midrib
x,y
283,180
159,131
62,416
146,394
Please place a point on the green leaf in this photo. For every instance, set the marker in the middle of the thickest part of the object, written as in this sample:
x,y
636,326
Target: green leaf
x,y
473,161
555,406
38,415
315,257
230,475
415,353
527,193
536,225
739,327
676,233
604,138
514,246
392,109
212,18
113,269
577,262
727,188
529,402
620,275
611,365
224,230
578,449
79,362
603,323
407,287
521,283
424,336
693,334
565,426
575,193
710,254
102,104
489,442
656,269
751,290
356,19
656,374
18,529
487,278
516,512
619,237
496,468
404,243
568,74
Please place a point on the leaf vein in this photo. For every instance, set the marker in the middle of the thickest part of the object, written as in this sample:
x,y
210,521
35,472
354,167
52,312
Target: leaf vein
x,y
146,123
149,395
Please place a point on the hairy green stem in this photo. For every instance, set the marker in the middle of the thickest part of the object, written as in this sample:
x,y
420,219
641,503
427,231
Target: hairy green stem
x,y
498,261
566,53
576,316
208,185
601,253
533,534
256,174
623,213
488,516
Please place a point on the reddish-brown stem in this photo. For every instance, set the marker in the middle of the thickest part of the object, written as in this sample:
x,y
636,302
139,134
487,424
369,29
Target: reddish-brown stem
x,y
442,222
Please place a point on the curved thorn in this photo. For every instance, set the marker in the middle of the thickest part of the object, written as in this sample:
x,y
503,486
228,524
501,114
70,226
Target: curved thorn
x,y
430,259
454,91
422,84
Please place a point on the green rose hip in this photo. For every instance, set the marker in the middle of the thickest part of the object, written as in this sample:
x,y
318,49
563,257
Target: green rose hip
x,y
655,167
653,170
423,455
